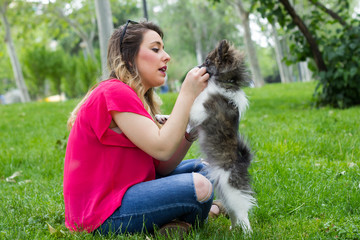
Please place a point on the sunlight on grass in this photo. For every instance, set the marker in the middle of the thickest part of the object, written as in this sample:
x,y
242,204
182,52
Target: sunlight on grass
x,y
305,173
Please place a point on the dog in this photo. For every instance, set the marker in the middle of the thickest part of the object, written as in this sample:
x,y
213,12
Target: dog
x,y
216,115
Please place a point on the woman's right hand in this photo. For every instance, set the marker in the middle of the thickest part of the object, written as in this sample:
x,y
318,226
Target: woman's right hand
x,y
195,82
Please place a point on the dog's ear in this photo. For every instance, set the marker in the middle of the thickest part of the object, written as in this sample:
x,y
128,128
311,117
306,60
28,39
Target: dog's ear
x,y
223,48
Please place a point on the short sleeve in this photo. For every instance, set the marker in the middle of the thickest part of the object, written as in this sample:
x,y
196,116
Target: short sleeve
x,y
120,97
112,95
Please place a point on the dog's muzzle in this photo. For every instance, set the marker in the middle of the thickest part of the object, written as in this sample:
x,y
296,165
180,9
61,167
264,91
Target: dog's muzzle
x,y
207,71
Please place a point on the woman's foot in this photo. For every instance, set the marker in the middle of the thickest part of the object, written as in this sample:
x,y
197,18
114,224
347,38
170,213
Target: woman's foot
x,y
217,209
214,210
174,229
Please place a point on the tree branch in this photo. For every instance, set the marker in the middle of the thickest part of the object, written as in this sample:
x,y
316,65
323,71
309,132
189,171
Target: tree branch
x,y
305,31
241,8
72,23
333,14
252,6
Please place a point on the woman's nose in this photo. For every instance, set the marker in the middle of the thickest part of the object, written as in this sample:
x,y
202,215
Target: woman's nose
x,y
166,57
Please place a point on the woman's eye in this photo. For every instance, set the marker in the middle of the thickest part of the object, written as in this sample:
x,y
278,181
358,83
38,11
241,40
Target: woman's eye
x,y
155,50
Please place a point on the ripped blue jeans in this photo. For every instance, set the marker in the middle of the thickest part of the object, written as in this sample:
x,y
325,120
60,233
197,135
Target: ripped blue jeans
x,y
152,204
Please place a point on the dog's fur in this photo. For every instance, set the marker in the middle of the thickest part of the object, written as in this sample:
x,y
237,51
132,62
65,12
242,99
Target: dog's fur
x,y
216,115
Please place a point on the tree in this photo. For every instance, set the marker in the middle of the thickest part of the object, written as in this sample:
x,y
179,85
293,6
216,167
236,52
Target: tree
x,y
333,14
124,10
189,39
337,34
18,74
309,37
285,75
146,15
250,49
79,74
81,20
105,27
36,62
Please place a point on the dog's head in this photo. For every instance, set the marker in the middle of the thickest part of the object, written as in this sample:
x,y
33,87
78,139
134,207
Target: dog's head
x,y
226,67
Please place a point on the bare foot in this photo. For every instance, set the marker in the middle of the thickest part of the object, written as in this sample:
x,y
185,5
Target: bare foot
x,y
214,210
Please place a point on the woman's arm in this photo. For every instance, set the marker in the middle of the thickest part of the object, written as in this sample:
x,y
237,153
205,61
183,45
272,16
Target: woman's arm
x,y
166,167
163,143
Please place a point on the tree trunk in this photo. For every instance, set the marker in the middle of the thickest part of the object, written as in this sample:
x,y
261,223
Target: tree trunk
x,y
197,30
106,27
286,52
19,78
283,69
251,52
88,45
304,72
198,48
146,15
305,31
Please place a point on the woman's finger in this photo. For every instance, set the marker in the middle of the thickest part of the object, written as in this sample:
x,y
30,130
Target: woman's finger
x,y
206,76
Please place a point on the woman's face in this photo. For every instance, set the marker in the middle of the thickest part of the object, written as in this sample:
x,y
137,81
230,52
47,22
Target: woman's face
x,y
151,60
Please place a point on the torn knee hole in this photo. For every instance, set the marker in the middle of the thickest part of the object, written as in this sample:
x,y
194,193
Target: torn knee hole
x,y
203,188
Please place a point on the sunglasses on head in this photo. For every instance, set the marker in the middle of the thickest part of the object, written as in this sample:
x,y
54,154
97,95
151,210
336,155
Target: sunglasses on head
x,y
124,30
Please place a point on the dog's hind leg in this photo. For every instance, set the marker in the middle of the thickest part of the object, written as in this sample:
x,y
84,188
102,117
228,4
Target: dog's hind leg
x,y
241,219
239,204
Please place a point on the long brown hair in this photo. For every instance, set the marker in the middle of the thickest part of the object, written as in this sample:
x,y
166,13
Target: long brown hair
x,y
121,65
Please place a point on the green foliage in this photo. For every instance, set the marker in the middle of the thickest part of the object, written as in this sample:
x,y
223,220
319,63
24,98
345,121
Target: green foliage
x,y
124,10
305,172
267,64
17,14
340,85
87,72
71,74
203,25
5,73
80,75
56,70
35,23
37,63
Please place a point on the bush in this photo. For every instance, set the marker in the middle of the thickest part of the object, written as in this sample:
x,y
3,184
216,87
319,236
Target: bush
x,y
35,70
340,86
336,33
80,75
66,73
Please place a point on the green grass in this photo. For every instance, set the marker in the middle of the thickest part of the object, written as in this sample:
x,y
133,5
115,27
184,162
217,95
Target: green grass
x,y
305,173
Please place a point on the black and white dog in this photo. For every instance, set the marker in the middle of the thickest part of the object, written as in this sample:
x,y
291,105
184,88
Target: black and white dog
x,y
216,114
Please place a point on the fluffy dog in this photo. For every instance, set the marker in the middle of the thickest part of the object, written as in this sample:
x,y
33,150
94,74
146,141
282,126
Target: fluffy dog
x,y
216,114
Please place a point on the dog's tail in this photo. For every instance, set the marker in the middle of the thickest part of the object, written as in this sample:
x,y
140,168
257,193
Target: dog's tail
x,y
244,153
240,177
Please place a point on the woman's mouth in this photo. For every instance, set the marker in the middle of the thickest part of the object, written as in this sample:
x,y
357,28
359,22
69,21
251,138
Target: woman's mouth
x,y
163,69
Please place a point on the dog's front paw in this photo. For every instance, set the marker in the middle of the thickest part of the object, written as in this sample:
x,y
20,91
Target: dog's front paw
x,y
191,133
161,118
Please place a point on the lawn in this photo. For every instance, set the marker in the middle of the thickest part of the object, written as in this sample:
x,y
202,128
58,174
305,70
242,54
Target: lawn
x,y
305,173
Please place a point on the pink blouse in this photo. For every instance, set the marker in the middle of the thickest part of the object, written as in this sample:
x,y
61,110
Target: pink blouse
x,y
100,164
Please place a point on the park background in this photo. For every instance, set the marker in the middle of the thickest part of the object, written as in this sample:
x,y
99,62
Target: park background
x,y
303,120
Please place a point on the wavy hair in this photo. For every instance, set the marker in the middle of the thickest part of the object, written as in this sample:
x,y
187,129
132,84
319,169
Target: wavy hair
x,y
121,64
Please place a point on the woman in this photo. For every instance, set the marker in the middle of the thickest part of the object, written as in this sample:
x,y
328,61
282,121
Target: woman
x,y
123,171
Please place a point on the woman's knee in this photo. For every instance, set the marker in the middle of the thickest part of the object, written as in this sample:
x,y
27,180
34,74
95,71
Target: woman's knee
x,y
203,187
